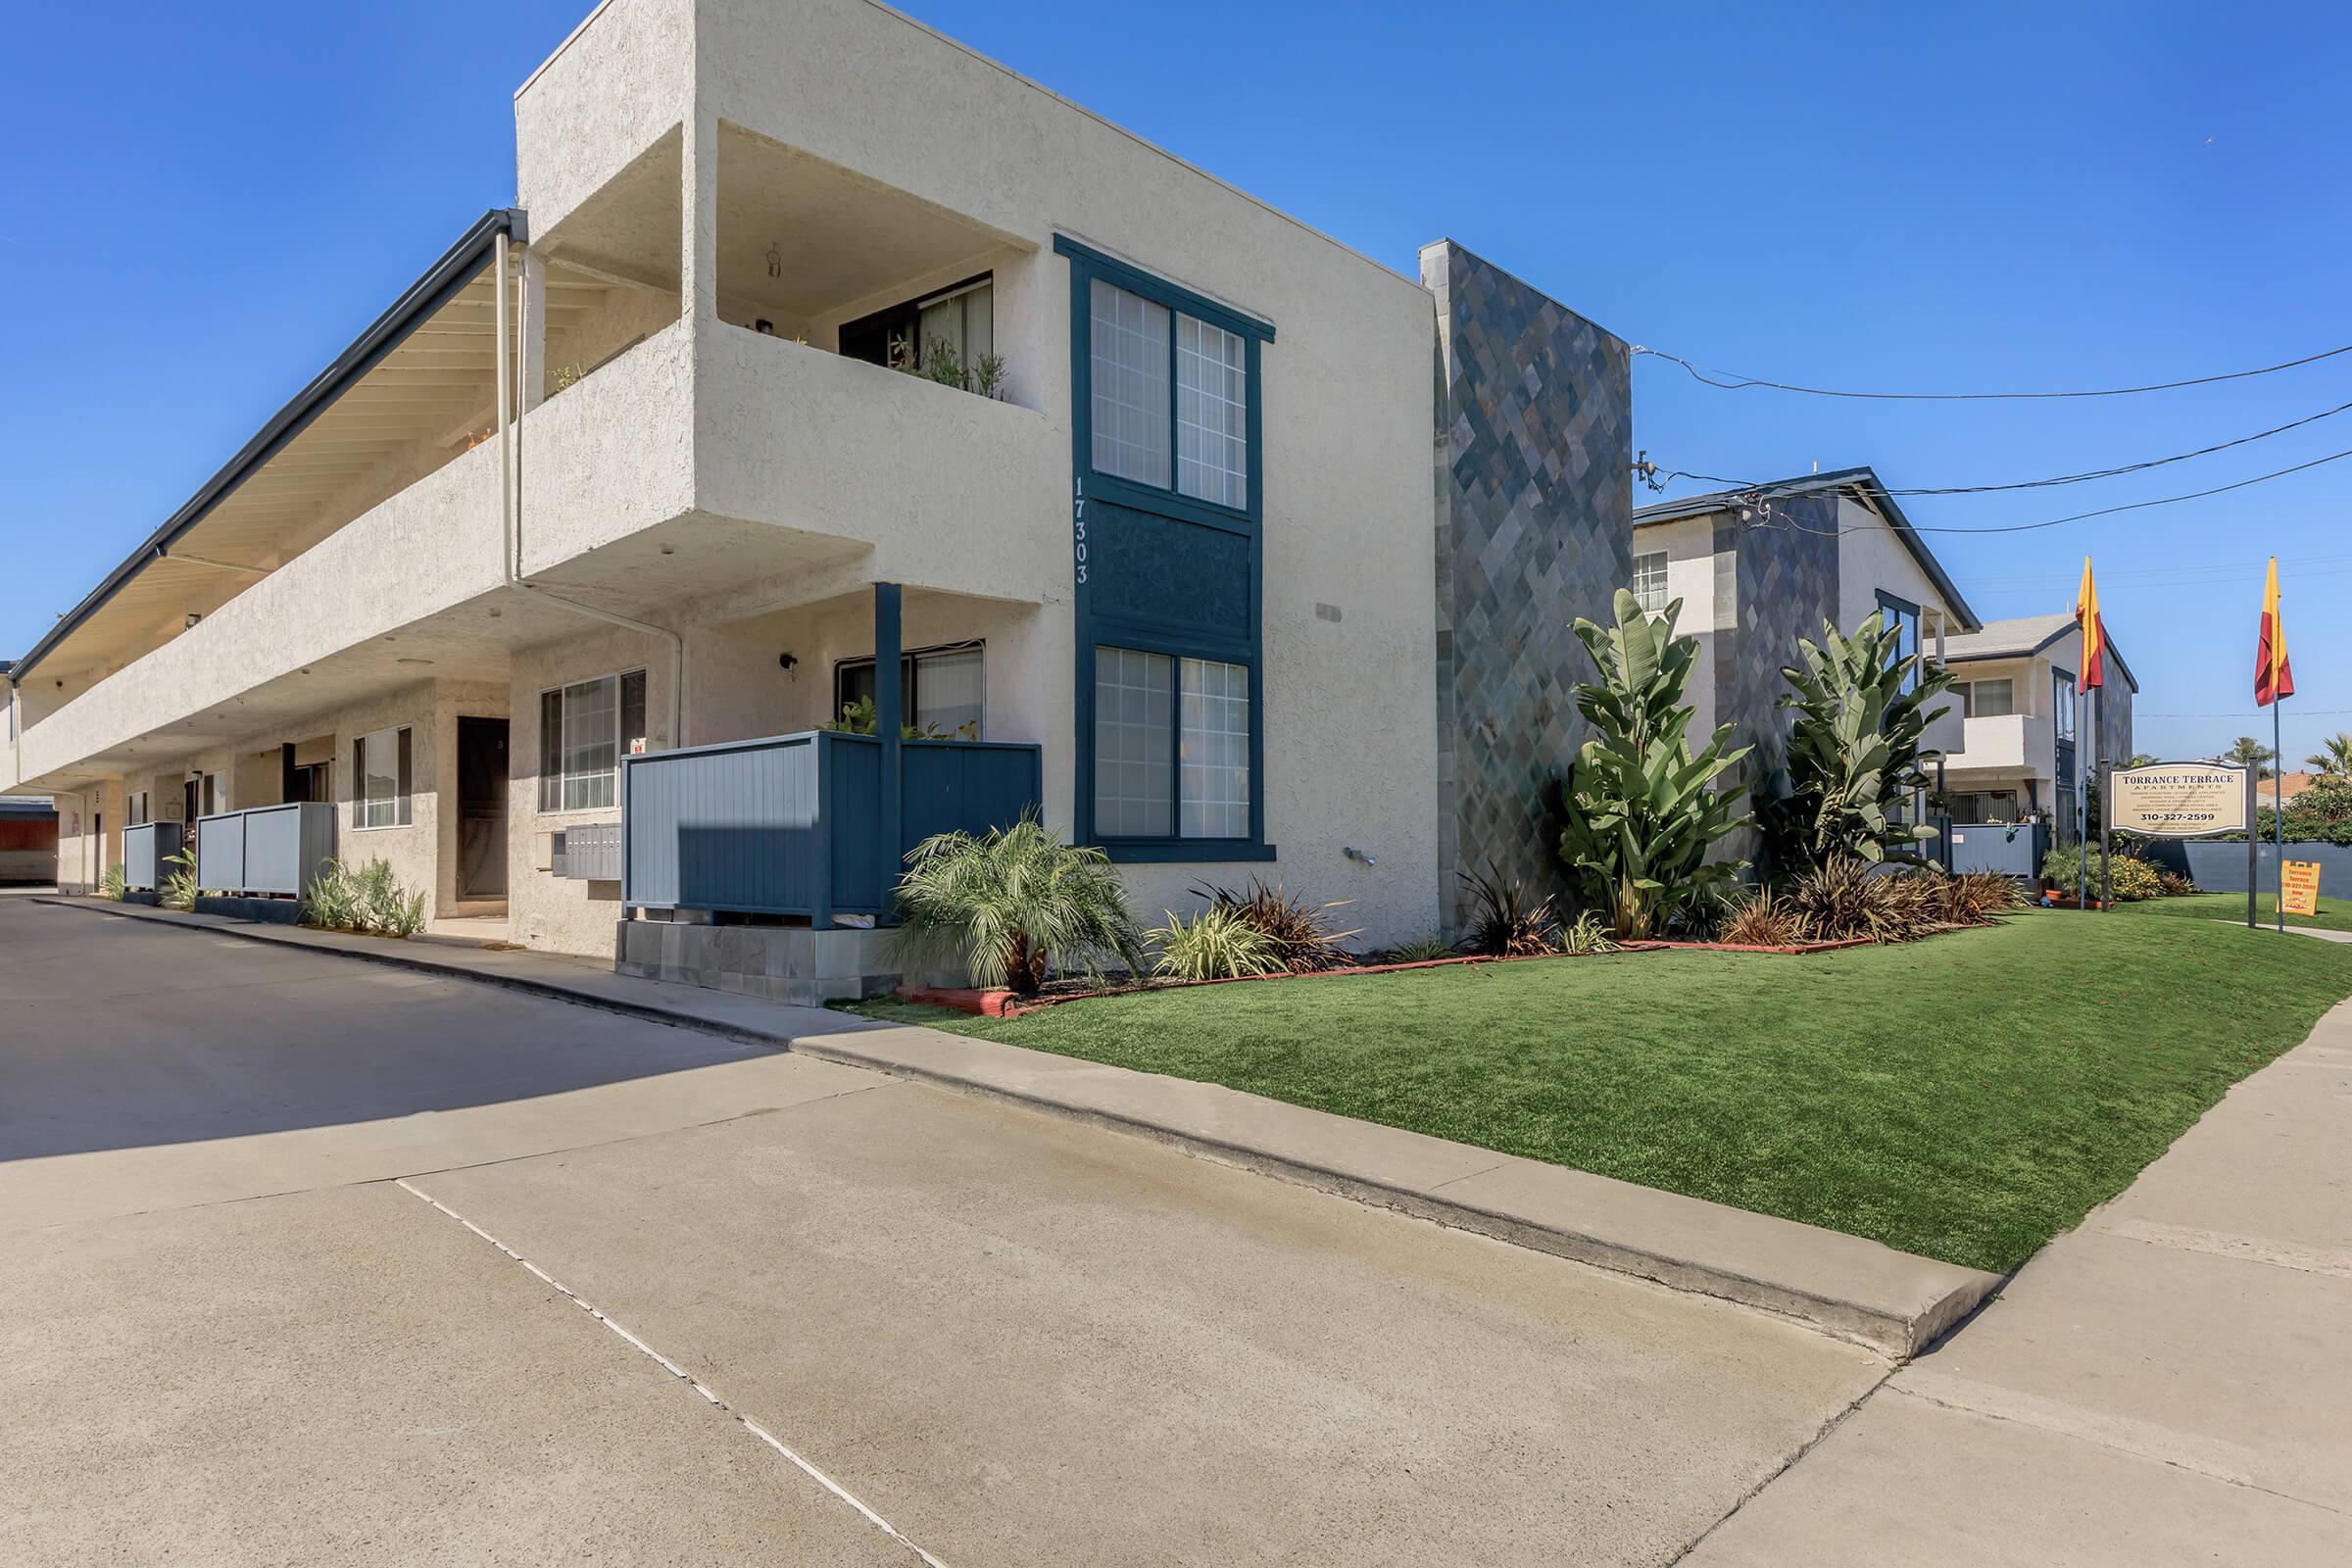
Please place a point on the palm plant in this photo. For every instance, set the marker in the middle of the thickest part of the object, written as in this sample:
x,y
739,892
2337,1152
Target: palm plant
x,y
1014,904
2334,758
2248,752
1854,750
1640,810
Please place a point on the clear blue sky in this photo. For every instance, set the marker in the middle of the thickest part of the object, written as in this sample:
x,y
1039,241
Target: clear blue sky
x,y
200,205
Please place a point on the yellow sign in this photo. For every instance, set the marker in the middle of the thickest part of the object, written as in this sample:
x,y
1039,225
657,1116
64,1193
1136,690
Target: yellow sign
x,y
2179,800
2300,888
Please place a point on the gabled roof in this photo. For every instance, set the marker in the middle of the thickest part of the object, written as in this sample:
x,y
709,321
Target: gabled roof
x,y
1866,487
2022,638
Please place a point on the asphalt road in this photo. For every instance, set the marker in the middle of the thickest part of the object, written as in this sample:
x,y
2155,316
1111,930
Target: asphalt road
x,y
304,1259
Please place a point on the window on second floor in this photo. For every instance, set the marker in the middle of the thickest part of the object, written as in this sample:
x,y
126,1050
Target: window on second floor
x,y
1196,441
1649,581
2061,703
1986,698
958,324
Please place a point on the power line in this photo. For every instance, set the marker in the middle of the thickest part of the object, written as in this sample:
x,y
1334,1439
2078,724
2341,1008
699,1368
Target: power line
x,y
2079,516
2308,712
1736,382
2063,478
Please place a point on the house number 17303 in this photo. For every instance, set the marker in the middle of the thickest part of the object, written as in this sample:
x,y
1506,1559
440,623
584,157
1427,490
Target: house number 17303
x,y
1078,528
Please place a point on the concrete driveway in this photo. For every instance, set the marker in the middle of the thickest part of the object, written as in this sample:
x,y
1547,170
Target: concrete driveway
x,y
307,1260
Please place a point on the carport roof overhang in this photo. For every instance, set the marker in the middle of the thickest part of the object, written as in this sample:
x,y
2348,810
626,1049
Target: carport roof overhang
x,y
439,285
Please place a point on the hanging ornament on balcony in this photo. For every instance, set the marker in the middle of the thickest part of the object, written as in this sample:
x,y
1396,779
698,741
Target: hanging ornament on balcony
x,y
775,260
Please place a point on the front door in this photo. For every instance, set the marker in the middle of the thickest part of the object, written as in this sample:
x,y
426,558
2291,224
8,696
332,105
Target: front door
x,y
481,807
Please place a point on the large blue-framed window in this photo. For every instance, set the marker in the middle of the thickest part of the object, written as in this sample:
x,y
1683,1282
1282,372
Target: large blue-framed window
x,y
1166,535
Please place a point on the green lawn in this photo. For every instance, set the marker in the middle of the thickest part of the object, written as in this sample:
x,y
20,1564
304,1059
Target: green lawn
x,y
2335,914
1966,1098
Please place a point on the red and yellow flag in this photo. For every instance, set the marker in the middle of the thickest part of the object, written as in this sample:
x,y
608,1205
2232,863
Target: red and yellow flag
x,y
2274,677
2094,631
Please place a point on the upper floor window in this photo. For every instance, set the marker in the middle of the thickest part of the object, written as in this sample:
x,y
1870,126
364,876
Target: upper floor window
x,y
585,728
1986,698
1194,441
1902,616
945,335
2061,703
1649,581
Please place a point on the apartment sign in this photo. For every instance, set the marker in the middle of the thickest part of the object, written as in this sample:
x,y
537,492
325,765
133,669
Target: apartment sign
x,y
2177,800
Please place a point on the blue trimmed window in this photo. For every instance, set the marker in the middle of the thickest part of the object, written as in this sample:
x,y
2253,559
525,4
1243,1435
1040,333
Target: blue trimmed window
x,y
1167,550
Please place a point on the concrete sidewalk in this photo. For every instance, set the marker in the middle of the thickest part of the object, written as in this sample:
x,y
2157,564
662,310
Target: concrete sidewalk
x,y
1858,1290
2171,1383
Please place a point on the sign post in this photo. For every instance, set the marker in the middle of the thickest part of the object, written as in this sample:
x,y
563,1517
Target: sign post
x,y
2106,834
2253,853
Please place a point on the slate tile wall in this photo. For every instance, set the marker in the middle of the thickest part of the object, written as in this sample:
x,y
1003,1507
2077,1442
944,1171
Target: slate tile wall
x,y
1535,526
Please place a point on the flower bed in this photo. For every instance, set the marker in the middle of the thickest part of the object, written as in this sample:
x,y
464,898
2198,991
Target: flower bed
x,y
1005,1004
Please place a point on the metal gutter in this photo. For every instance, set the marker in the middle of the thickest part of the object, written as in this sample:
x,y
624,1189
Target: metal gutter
x,y
441,281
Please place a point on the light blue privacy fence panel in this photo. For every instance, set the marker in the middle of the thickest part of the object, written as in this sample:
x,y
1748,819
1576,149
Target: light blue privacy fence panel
x,y
145,849
792,824
268,849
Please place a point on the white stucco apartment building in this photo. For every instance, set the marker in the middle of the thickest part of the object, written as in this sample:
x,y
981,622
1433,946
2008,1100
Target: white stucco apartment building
x,y
638,467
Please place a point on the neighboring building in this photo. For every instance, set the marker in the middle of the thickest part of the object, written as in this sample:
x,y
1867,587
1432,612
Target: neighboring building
x,y
2027,746
1161,561
2289,785
1757,569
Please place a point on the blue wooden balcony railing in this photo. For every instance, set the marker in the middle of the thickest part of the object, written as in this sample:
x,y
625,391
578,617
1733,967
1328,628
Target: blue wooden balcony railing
x,y
796,825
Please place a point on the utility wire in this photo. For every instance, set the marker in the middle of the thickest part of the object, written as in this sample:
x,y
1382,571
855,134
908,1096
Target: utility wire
x,y
1732,382
2057,479
2079,516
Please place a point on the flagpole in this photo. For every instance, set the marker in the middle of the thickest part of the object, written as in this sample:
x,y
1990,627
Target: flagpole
x,y
2278,806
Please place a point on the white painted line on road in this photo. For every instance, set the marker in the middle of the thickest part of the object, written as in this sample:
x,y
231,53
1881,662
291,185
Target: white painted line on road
x,y
745,1422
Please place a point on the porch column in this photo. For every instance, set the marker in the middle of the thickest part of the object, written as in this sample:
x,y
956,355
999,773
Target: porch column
x,y
890,703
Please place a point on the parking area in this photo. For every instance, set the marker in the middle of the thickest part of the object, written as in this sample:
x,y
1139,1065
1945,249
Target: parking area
x,y
867,1319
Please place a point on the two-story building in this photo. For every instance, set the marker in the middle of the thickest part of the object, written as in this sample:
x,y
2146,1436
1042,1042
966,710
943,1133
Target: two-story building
x,y
770,401
1759,568
2025,751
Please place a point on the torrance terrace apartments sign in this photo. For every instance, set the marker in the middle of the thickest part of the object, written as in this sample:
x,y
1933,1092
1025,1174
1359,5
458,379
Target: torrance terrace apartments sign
x,y
2177,800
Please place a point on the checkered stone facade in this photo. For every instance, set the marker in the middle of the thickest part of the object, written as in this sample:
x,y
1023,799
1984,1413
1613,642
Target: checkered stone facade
x,y
1535,526
1783,585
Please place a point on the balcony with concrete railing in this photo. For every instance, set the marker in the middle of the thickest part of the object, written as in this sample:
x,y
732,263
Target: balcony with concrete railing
x,y
2009,742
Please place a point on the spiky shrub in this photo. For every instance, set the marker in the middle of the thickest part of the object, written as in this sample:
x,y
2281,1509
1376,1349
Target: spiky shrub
x,y
1300,932
1763,919
1640,810
179,883
1585,934
1013,904
2172,884
1217,944
114,884
1854,750
369,899
1988,892
1506,920
1426,951
1850,899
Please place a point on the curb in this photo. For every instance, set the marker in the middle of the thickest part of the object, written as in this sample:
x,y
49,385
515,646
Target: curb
x,y
1860,1291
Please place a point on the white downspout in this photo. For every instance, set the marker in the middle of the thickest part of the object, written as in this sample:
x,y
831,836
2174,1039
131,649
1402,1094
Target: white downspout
x,y
510,522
